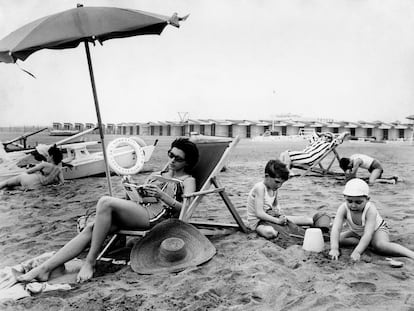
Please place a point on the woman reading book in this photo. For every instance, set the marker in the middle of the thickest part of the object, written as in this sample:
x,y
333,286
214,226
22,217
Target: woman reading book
x,y
114,213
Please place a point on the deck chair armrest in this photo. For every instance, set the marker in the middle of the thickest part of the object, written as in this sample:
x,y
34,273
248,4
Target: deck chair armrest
x,y
204,192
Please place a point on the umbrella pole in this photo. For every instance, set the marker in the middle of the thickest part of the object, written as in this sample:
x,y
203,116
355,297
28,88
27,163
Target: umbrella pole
x,y
98,115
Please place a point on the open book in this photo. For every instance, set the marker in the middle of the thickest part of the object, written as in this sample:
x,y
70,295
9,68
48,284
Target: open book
x,y
137,193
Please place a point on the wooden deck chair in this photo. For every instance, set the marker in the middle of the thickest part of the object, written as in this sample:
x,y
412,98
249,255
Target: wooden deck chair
x,y
317,167
213,157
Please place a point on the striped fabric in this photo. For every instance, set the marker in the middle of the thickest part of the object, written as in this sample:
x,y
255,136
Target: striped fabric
x,y
311,153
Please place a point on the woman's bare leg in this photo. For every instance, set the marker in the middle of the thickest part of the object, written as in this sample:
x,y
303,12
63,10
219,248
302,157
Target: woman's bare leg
x,y
375,174
72,249
11,182
111,212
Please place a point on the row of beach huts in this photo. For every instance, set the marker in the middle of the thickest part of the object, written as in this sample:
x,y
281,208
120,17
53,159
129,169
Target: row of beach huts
x,y
379,131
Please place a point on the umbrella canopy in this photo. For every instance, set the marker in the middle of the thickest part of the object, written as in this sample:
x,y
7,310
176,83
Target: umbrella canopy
x,y
69,28
83,24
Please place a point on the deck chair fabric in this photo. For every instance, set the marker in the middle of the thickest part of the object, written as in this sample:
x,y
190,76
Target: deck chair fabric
x,y
212,159
311,153
311,157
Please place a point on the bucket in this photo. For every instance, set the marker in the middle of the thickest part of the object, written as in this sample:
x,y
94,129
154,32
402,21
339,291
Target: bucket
x,y
313,241
322,220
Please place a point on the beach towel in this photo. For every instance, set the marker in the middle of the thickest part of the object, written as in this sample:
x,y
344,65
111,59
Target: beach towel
x,y
11,290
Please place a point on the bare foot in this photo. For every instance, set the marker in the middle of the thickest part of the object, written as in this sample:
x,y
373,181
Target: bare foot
x,y
39,273
86,272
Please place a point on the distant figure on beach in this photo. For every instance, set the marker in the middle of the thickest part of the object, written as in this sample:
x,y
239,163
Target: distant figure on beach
x,y
366,227
45,173
263,208
114,213
351,165
319,144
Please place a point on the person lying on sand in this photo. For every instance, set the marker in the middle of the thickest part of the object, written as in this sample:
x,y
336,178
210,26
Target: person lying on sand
x,y
114,213
351,165
45,173
262,204
319,144
366,226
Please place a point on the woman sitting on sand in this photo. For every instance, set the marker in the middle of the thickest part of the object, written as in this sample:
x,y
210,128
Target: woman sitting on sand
x,y
45,173
114,213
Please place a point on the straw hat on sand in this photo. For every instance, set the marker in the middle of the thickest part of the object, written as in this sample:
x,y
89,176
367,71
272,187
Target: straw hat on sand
x,y
171,246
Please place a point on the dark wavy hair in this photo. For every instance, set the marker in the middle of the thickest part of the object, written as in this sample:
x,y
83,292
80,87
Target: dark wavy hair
x,y
56,154
344,163
190,150
277,169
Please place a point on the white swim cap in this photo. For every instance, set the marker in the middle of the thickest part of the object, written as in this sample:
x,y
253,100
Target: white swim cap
x,y
43,150
356,187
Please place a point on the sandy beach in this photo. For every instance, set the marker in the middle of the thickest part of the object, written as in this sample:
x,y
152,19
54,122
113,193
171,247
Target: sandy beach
x,y
248,272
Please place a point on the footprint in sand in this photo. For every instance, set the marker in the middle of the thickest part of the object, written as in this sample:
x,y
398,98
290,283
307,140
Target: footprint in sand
x,y
274,256
363,287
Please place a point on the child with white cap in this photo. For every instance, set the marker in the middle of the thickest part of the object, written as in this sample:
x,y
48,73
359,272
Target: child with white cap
x,y
365,225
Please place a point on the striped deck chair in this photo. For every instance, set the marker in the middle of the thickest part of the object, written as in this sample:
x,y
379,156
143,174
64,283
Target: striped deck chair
x,y
213,157
310,158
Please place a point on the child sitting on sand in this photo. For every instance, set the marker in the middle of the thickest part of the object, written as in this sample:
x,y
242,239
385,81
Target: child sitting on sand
x,y
263,209
366,226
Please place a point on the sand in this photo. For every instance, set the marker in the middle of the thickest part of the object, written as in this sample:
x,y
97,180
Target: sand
x,y
248,272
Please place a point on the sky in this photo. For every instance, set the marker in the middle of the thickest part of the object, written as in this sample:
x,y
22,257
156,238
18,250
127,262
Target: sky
x,y
231,59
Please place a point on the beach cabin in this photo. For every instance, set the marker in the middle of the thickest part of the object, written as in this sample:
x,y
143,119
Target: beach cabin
x,y
223,128
206,127
399,131
382,131
259,127
171,128
189,126
91,126
299,127
351,128
144,129
242,128
125,129
317,126
79,127
366,130
278,128
67,126
57,126
333,127
154,128
110,128
130,127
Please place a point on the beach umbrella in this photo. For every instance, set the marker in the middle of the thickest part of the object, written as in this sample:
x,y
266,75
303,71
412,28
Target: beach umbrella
x,y
86,25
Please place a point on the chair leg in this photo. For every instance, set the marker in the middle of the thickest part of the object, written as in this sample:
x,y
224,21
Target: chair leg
x,y
230,206
112,240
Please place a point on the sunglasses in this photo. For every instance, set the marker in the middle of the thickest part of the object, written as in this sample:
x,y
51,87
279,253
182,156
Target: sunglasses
x,y
175,157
